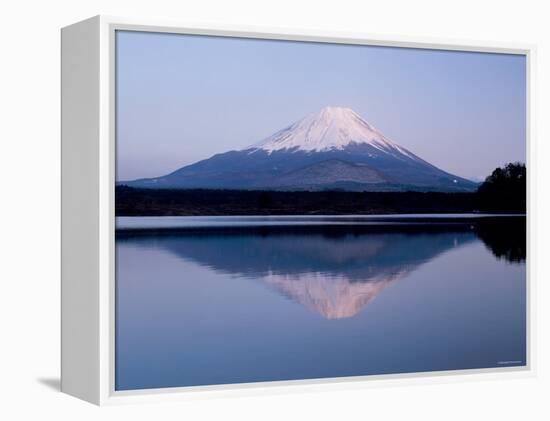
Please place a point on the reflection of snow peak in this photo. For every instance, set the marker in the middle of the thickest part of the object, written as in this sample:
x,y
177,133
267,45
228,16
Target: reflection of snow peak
x,y
334,297
330,128
335,275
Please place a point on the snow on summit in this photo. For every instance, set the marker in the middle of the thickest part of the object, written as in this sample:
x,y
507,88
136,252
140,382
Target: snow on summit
x,y
330,128
332,149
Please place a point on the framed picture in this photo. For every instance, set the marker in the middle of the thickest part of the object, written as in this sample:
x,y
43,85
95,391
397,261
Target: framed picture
x,y
245,208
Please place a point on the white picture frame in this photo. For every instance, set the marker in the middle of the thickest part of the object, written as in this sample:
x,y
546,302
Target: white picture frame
x,y
88,170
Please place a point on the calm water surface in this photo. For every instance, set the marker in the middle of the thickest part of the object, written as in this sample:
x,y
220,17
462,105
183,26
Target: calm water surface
x,y
221,300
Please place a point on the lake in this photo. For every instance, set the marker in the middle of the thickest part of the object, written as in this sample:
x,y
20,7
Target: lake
x,y
219,300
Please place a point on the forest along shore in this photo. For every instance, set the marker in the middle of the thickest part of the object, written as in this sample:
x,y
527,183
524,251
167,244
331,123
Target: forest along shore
x,y
166,202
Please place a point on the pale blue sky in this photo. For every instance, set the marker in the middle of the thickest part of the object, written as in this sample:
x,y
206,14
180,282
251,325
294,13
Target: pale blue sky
x,y
183,98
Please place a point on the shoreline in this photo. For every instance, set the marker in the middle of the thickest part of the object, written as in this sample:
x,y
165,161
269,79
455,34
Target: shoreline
x,y
202,202
352,223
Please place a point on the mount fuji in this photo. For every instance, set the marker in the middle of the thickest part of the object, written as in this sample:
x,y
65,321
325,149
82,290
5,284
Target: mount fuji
x,y
333,149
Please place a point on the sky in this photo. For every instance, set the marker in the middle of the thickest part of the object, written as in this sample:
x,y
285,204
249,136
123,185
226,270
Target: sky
x,y
183,98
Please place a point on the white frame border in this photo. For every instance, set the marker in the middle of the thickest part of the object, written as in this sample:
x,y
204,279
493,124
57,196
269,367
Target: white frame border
x,y
107,394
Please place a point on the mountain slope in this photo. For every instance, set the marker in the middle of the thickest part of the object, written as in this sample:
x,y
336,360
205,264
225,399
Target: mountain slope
x,y
326,173
334,148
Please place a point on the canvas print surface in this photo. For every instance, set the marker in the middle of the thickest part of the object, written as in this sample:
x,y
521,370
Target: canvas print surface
x,y
296,210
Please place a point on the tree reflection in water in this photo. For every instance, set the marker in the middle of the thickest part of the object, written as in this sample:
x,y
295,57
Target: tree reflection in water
x,y
505,237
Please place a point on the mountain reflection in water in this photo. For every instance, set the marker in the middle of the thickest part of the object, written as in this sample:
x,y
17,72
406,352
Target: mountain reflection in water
x,y
202,301
335,271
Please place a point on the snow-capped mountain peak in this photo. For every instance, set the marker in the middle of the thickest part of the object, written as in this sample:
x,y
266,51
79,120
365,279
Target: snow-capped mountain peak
x,y
329,128
332,149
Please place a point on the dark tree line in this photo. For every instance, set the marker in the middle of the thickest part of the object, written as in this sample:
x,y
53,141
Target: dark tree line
x,y
505,190
163,202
